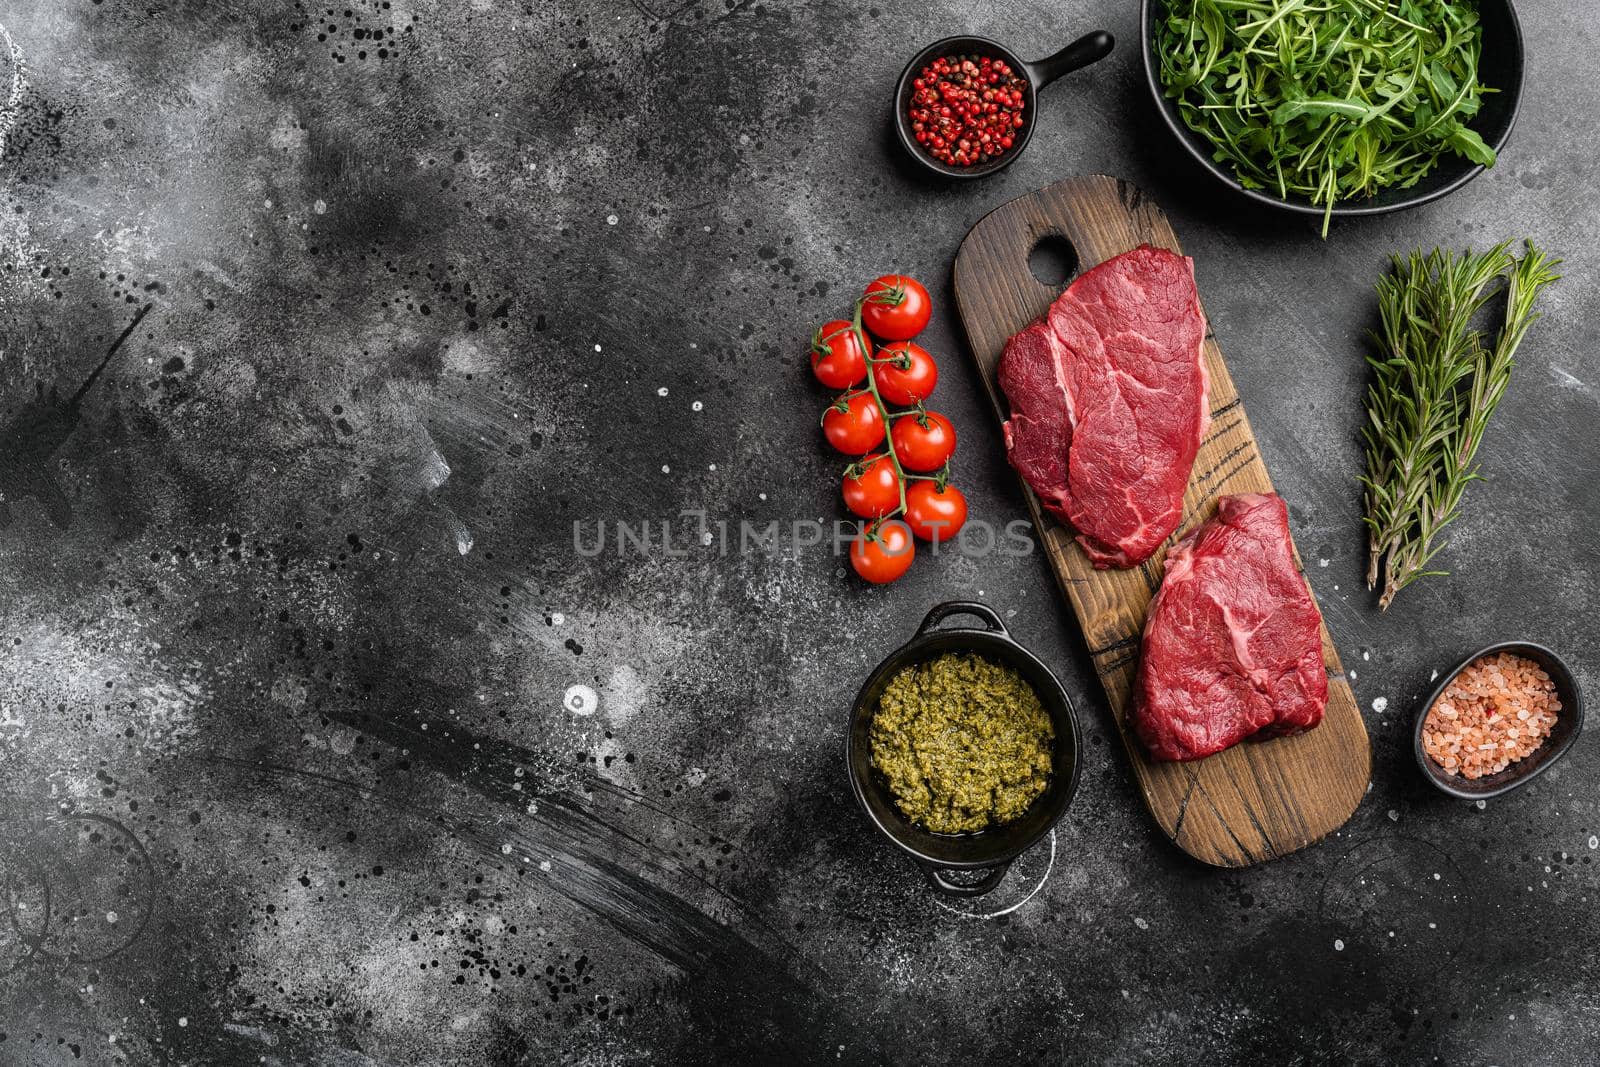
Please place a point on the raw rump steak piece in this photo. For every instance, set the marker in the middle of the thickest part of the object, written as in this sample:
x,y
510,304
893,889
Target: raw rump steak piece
x,y
1233,640
1108,402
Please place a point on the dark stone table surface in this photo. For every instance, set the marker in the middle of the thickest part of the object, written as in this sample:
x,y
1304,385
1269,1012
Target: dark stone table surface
x,y
291,602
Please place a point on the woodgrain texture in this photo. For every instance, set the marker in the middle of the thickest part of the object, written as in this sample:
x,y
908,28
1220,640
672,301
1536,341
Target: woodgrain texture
x,y
1255,801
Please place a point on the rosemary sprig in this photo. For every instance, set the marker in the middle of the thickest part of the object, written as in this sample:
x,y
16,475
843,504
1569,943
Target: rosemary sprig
x,y
1436,383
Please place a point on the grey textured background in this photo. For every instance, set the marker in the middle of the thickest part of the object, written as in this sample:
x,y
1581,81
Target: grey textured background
x,y
290,600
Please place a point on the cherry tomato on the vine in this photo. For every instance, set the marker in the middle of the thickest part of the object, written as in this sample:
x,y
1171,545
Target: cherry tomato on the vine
x,y
910,376
895,307
875,491
854,425
923,442
837,356
935,513
883,551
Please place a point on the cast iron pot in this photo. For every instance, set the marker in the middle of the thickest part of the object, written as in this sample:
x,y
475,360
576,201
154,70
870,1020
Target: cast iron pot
x,y
1500,67
1087,49
987,853
1568,725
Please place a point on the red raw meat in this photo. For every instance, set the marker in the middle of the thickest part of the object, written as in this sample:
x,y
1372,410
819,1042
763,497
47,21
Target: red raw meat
x,y
1108,402
1233,640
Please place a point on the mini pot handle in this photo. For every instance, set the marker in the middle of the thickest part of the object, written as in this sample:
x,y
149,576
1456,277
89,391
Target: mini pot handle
x,y
938,881
1090,48
963,607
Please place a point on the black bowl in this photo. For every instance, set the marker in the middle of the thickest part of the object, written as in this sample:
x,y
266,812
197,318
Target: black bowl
x,y
1500,67
1562,735
990,851
1080,53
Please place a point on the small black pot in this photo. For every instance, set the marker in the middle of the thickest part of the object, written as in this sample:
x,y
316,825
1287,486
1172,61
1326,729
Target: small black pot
x,y
990,851
1088,49
1562,735
1500,67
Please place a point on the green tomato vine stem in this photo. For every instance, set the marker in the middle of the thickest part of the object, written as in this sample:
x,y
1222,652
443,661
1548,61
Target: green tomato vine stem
x,y
883,410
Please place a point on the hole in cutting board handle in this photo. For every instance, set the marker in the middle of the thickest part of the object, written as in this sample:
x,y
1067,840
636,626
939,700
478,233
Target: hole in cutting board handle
x,y
1053,261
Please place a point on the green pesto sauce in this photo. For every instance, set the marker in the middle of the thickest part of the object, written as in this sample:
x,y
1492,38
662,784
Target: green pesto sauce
x,y
964,743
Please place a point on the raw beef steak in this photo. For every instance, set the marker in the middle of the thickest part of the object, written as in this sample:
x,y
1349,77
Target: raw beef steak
x,y
1108,402
1233,640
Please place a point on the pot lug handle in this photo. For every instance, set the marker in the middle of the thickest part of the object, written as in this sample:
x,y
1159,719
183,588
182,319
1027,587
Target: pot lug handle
x,y
991,878
1090,48
941,612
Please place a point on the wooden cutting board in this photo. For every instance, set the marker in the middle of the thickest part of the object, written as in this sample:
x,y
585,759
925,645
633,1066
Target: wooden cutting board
x,y
1257,800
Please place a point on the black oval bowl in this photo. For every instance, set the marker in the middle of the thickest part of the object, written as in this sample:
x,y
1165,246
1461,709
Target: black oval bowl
x,y
990,850
1562,735
1080,53
1500,67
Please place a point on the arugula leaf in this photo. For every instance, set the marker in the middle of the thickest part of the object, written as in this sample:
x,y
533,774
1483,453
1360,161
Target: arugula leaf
x,y
1290,110
1471,145
1329,100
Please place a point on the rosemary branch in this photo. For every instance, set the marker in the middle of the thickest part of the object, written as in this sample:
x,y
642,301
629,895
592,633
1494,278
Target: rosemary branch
x,y
1436,383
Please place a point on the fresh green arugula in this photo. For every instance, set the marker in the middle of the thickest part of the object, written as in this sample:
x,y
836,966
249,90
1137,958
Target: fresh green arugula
x,y
1436,382
1328,100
